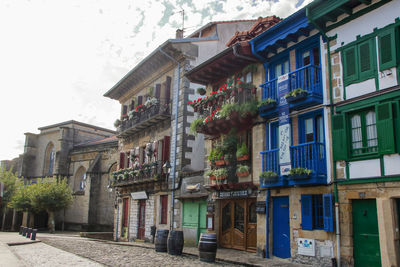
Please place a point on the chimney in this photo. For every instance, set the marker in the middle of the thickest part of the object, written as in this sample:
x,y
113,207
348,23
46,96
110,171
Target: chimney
x,y
179,34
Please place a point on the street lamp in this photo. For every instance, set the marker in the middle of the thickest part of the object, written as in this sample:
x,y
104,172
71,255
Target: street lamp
x,y
166,168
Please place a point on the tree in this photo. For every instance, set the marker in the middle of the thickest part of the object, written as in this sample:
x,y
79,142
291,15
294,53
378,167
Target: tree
x,y
51,194
8,178
21,199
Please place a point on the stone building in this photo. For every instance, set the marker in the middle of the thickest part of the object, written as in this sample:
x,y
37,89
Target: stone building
x,y
153,129
363,59
83,154
227,117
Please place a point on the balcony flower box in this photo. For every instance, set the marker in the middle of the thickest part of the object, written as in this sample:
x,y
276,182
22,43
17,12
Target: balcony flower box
x,y
268,177
296,95
299,173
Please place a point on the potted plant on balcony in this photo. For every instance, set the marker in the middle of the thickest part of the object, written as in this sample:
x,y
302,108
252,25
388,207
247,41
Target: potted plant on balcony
x,y
196,125
247,111
221,175
296,95
210,175
268,177
117,123
242,170
201,91
242,153
267,104
299,173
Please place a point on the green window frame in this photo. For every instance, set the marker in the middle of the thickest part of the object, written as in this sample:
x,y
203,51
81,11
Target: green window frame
x,y
363,132
359,62
388,56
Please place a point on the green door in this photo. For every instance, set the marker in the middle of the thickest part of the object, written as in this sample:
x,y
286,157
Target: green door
x,y
194,216
365,234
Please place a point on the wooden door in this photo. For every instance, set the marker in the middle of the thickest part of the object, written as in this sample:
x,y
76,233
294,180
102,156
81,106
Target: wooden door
x,y
142,219
226,224
233,228
239,224
281,227
125,218
365,233
251,232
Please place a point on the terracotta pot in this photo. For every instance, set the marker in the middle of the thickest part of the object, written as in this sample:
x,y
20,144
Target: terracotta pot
x,y
242,174
212,177
245,157
220,162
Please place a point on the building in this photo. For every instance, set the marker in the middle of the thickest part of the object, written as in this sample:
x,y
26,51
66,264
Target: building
x,y
293,142
226,116
153,129
363,62
83,154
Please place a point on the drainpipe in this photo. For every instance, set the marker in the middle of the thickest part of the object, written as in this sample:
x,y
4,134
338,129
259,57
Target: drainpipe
x,y
337,206
236,53
267,224
173,167
117,223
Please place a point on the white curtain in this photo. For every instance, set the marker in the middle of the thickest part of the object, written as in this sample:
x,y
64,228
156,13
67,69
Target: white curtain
x,y
356,133
372,138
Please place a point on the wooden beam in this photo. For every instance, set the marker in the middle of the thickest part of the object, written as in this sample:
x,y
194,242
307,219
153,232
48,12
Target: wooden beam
x,y
282,43
367,2
305,32
292,37
346,10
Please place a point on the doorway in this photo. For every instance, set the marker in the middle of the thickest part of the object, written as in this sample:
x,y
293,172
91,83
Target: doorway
x,y
365,233
125,218
238,224
281,227
142,219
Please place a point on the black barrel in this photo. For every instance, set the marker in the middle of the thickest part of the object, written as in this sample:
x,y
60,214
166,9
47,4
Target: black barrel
x,y
208,247
161,240
28,233
175,242
24,231
33,235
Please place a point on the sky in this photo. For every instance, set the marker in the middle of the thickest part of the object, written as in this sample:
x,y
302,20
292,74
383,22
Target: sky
x,y
58,57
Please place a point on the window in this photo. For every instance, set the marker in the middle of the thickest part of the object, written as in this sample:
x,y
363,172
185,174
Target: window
x,y
281,68
50,155
316,212
387,49
359,62
164,209
363,132
80,179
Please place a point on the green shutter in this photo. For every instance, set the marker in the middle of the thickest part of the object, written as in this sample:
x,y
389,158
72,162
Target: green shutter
x,y
387,49
385,128
366,55
350,66
339,138
396,120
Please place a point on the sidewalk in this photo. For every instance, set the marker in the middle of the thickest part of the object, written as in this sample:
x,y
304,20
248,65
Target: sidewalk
x,y
8,258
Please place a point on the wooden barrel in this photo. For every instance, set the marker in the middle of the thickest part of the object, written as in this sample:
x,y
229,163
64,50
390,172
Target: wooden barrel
x,y
175,242
161,240
208,247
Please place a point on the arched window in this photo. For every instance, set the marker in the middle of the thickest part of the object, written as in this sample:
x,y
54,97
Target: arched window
x,y
49,159
80,179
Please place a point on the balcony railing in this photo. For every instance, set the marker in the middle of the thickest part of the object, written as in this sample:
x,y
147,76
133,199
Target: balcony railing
x,y
307,78
146,117
311,156
145,173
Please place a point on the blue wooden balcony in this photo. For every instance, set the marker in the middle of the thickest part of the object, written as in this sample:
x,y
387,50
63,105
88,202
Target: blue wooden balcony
x,y
311,156
307,78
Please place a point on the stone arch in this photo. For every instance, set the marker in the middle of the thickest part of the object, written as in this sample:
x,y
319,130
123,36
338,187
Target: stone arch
x,y
80,179
49,159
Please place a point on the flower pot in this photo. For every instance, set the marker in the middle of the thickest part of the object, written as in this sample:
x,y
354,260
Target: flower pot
x,y
242,174
244,157
212,177
220,162
269,180
299,97
299,176
268,106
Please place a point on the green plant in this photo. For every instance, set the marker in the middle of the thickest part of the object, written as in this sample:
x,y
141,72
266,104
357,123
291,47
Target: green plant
x,y
248,108
299,171
250,68
216,154
242,168
209,173
221,173
117,123
245,85
201,91
227,109
242,150
266,102
268,174
295,93
195,125
151,91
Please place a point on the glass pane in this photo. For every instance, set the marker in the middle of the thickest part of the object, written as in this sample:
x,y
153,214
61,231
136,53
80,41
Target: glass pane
x,y
372,138
239,217
278,70
320,129
226,217
309,130
252,213
306,58
248,77
356,134
286,67
315,55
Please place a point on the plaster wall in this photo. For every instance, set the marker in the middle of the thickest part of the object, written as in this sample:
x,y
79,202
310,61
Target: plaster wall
x,y
364,168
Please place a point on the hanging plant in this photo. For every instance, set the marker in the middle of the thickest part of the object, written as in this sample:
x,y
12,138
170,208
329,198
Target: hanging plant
x,y
250,68
201,91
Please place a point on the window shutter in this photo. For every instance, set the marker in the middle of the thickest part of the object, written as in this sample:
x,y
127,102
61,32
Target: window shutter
x,y
366,59
128,159
168,90
396,120
328,212
158,91
385,128
164,209
165,151
306,212
339,138
121,160
387,49
141,155
350,66
124,109
139,100
132,104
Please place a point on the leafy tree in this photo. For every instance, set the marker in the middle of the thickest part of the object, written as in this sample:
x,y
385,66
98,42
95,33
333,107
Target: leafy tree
x,y
8,178
51,194
21,199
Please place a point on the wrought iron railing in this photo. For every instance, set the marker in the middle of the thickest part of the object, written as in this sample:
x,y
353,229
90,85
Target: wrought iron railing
x,y
307,78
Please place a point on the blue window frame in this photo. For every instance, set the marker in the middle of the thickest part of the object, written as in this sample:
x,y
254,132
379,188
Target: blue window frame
x,y
311,127
316,212
279,65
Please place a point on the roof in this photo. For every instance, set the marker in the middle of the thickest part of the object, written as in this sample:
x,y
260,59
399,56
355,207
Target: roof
x,y
219,22
101,141
78,123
